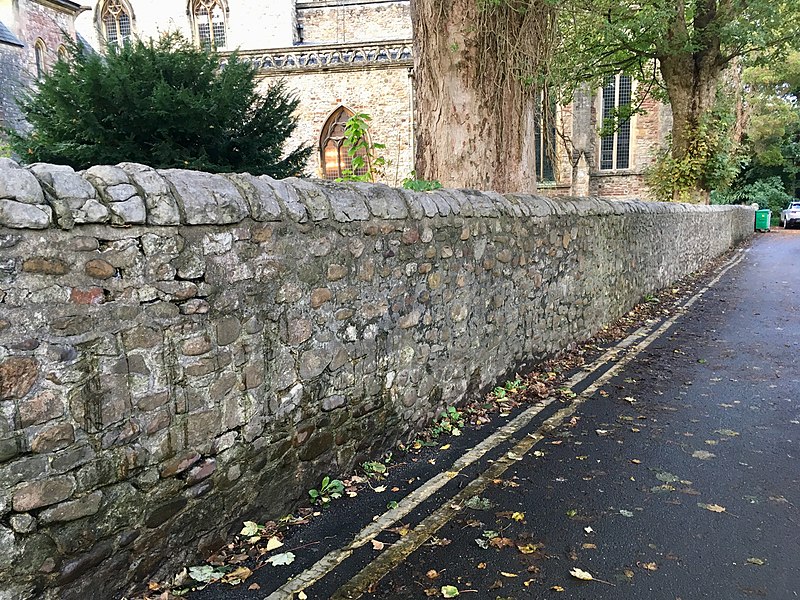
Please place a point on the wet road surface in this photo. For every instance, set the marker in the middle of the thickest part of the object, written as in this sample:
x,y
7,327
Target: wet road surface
x,y
674,473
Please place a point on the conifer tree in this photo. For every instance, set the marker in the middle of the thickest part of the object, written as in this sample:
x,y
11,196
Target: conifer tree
x,y
163,103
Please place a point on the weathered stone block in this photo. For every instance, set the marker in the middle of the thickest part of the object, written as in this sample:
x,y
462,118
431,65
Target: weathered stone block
x,y
73,510
53,438
73,569
42,493
261,197
205,198
17,376
41,265
180,463
19,215
162,209
228,330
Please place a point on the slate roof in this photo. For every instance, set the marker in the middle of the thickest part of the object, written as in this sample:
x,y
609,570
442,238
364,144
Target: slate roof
x,y
6,37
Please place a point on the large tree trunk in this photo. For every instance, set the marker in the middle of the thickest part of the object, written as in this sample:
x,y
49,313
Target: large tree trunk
x,y
474,119
691,79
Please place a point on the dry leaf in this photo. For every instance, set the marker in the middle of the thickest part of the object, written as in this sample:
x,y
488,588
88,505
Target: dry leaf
x,y
273,543
581,574
589,546
518,516
253,586
445,447
712,507
557,588
757,561
432,574
530,548
379,489
302,595
377,545
481,565
636,461
506,574
651,566
703,454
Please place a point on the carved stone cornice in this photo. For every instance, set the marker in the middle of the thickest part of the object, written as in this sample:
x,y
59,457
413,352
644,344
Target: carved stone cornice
x,y
324,57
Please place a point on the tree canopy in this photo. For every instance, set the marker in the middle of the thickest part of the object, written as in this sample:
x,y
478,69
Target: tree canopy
x,y
163,103
680,50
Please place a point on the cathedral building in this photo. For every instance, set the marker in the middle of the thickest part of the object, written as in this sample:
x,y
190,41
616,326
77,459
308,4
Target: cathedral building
x,y
342,57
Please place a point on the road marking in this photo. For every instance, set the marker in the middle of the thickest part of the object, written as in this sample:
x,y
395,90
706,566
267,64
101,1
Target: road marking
x,y
630,347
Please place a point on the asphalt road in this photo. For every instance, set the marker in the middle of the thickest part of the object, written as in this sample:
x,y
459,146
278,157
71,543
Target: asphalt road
x,y
673,474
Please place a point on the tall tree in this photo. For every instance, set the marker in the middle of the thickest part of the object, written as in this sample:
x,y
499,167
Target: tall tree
x,y
476,92
164,103
681,47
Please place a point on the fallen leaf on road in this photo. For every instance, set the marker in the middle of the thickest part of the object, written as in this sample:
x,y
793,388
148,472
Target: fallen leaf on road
x,y
501,542
727,432
481,565
518,516
253,586
667,477
588,530
302,595
506,574
636,461
703,454
449,591
273,543
237,576
445,447
712,507
285,558
432,574
581,574
628,573
377,545
530,548
478,503
651,566
589,546
557,588
625,513
757,561
379,489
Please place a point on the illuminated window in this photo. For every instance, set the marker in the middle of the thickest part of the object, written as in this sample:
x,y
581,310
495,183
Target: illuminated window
x,y
334,158
545,138
116,18
39,51
615,144
210,23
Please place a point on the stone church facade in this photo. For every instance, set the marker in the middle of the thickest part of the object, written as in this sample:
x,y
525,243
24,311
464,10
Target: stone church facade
x,y
342,57
32,38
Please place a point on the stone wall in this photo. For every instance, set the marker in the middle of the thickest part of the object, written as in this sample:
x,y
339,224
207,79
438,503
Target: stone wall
x,y
179,349
383,92
346,22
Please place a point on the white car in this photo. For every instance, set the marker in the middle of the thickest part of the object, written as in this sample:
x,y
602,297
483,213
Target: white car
x,y
791,216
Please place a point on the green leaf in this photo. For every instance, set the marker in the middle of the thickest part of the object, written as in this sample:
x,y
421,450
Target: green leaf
x,y
449,591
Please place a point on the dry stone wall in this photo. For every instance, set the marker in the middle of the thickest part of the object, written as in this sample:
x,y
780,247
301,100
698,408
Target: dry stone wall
x,y
180,349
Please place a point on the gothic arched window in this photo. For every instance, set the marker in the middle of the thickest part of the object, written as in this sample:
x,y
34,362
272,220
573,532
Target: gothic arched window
x,y
334,158
39,50
210,23
116,20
